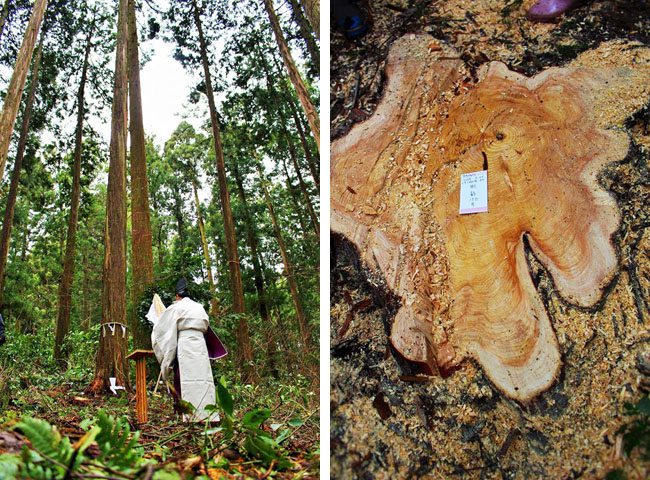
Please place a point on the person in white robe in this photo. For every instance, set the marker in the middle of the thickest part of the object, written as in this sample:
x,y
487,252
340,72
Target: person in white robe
x,y
178,333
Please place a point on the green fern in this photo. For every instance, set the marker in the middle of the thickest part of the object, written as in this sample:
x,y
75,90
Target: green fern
x,y
10,465
117,449
51,456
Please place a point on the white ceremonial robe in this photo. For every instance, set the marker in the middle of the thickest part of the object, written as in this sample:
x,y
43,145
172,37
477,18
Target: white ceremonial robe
x,y
179,332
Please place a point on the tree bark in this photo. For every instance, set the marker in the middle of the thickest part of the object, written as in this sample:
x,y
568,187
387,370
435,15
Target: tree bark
x,y
304,328
214,303
294,198
313,165
111,357
7,224
258,273
306,33
17,83
312,10
239,306
3,16
301,182
141,238
85,308
65,287
294,75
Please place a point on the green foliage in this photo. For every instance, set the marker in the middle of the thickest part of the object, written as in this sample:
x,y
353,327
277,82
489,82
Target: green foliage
x,y
50,456
257,442
116,443
636,434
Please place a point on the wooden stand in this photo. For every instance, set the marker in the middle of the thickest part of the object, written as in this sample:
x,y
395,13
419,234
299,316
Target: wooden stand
x,y
140,357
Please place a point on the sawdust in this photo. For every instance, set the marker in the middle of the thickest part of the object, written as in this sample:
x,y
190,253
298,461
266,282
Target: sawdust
x,y
386,422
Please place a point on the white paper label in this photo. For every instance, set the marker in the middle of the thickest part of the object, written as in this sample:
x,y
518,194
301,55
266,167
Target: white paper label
x,y
473,192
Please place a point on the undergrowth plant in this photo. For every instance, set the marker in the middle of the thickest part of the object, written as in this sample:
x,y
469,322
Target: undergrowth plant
x,y
636,433
115,452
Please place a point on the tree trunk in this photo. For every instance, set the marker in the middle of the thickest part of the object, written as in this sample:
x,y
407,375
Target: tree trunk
x,y
258,272
141,239
85,308
304,328
3,16
65,287
8,221
294,198
214,303
239,307
294,75
111,357
312,10
306,33
301,182
313,165
17,83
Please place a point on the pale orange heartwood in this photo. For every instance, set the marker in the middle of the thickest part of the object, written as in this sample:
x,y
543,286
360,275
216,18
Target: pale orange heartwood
x,y
464,280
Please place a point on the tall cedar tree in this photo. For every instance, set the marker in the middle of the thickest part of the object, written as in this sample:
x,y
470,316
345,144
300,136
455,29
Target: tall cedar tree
x,y
8,221
65,287
141,238
17,83
245,354
302,321
111,357
294,75
312,10
306,33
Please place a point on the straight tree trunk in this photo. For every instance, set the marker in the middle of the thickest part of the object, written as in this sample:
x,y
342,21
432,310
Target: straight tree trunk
x,y
8,221
141,238
65,287
294,75
313,165
214,303
239,307
312,10
301,182
85,315
111,357
258,274
3,16
304,328
306,33
17,83
294,198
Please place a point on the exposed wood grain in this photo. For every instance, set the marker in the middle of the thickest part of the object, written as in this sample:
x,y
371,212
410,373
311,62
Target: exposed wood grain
x,y
464,280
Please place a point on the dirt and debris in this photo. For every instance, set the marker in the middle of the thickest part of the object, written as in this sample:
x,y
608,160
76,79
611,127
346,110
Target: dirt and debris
x,y
388,420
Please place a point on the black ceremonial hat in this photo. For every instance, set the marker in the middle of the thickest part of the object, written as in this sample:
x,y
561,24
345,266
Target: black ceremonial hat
x,y
181,286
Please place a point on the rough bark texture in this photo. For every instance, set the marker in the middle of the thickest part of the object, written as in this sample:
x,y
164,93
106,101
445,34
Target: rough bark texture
x,y
312,10
111,357
141,238
17,83
236,287
300,316
8,221
464,280
294,75
214,303
65,286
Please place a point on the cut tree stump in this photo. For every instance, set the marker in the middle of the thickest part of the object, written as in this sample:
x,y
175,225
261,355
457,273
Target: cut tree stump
x,y
140,357
464,280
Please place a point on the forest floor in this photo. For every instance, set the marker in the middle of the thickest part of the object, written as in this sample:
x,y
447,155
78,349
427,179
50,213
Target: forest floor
x,y
387,421
175,449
